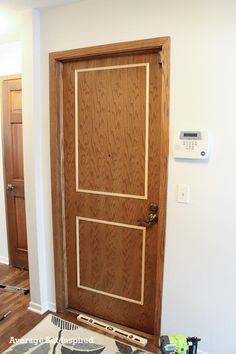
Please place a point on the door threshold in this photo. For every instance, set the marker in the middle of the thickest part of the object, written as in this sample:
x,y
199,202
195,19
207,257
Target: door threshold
x,y
113,330
138,338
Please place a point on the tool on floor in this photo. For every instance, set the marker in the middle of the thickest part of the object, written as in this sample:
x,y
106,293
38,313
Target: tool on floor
x,y
113,330
5,315
173,344
14,289
178,344
193,342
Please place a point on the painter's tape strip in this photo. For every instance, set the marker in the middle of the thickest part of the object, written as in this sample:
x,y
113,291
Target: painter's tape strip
x,y
113,330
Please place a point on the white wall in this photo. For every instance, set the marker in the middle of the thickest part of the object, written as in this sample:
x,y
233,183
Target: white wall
x,y
41,289
10,63
199,283
10,58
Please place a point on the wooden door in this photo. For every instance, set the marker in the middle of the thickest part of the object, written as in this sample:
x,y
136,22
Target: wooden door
x,y
112,154
14,172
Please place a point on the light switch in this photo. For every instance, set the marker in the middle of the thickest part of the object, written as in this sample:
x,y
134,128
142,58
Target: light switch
x,y
183,193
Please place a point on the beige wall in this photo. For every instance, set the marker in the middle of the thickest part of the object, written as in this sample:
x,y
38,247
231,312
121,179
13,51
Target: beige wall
x,y
199,283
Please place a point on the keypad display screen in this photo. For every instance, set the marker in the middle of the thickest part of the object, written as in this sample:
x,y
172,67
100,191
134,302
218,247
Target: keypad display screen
x,y
190,135
187,135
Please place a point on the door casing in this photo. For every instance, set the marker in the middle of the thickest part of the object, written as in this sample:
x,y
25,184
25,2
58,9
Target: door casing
x,y
57,59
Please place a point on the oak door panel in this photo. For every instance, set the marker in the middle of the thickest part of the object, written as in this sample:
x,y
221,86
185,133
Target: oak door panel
x,y
114,264
111,112
112,153
17,151
14,173
20,223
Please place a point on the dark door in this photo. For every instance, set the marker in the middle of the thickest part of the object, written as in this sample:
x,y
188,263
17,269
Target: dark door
x,y
14,173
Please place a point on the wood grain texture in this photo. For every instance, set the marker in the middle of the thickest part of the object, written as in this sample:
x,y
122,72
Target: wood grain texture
x,y
114,262
21,320
15,101
164,153
108,205
20,223
111,130
17,151
57,181
113,208
13,171
139,46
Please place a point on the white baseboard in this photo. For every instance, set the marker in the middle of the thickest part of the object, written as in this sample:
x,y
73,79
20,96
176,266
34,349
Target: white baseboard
x,y
201,352
37,308
52,307
4,260
41,309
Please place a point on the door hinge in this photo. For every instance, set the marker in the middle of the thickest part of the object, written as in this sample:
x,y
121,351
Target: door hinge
x,y
160,57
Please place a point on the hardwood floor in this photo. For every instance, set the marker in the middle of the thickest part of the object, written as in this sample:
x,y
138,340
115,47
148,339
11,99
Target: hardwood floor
x,y
21,320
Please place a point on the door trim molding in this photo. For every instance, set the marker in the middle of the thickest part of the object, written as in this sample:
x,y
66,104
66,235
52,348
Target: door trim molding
x,y
117,194
99,221
56,61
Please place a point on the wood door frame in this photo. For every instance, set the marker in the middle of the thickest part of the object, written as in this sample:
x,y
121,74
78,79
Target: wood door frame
x,y
56,60
2,79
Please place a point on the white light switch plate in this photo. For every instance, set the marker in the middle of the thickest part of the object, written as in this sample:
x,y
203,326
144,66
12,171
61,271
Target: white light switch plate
x,y
183,193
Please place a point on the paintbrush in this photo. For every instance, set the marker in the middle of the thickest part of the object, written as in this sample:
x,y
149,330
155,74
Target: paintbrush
x,y
5,315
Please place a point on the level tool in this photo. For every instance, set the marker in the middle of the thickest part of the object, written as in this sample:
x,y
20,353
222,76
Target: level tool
x,y
14,289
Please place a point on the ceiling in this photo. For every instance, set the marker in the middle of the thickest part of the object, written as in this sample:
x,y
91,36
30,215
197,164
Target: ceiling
x,y
10,15
19,5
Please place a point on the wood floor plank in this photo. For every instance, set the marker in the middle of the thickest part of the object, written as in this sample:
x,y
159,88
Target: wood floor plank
x,y
20,320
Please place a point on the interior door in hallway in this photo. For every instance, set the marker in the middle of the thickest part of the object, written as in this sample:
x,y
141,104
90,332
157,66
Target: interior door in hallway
x,y
14,172
114,145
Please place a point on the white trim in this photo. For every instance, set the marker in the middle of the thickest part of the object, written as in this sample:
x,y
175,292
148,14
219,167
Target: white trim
x,y
99,221
41,309
111,295
52,306
111,67
4,260
142,228
143,265
112,194
147,132
37,308
76,134
145,196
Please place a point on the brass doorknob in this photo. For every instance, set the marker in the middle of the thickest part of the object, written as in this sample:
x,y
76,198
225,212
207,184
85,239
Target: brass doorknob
x,y
10,187
152,217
